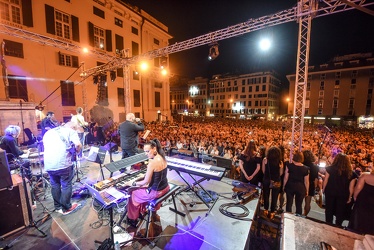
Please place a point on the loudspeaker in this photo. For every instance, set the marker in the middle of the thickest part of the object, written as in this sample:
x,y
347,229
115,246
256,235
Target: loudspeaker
x,y
13,208
111,147
97,154
5,178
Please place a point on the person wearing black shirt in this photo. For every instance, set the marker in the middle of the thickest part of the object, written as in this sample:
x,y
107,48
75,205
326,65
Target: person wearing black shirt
x,y
128,131
48,122
155,183
9,144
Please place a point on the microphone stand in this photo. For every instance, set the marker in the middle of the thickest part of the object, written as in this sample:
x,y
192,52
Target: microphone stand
x,y
320,146
110,151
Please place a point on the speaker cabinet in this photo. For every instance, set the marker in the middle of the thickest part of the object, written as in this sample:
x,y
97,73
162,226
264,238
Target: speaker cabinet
x,y
5,179
13,208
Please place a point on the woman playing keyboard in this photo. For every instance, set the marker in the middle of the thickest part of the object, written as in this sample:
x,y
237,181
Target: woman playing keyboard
x,y
154,184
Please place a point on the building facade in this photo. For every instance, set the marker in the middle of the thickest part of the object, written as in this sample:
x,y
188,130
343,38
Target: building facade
x,y
339,92
245,96
47,46
197,97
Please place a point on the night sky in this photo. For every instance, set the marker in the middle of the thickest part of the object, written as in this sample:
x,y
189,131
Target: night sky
x,y
332,35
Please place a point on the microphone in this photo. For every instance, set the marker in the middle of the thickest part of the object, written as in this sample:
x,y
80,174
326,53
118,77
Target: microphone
x,y
327,128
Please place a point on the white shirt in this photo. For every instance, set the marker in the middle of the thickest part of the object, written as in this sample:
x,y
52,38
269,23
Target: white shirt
x,y
56,142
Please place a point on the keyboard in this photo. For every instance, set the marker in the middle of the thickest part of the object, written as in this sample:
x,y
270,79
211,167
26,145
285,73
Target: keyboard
x,y
126,162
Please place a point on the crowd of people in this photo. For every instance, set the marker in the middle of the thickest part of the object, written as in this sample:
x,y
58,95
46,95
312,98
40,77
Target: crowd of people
x,y
330,163
335,163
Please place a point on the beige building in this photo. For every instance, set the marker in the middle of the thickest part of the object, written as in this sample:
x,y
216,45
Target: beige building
x,y
49,45
197,97
245,96
339,92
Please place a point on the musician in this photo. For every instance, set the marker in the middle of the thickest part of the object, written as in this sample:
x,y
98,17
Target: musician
x,y
154,185
82,125
48,122
60,145
128,131
9,144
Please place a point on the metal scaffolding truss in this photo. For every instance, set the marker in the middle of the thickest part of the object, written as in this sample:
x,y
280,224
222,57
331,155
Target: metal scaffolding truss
x,y
285,16
49,41
303,13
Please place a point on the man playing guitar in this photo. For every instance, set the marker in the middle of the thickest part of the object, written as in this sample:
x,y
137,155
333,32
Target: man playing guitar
x,y
82,126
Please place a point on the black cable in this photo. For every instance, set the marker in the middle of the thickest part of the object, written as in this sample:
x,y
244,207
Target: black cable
x,y
239,216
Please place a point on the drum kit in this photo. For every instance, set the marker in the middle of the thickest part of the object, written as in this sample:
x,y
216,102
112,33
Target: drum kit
x,y
36,158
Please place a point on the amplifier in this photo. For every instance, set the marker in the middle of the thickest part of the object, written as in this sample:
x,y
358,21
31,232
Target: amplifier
x,y
13,208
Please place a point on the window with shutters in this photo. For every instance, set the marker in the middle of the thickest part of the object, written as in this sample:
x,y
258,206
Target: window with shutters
x,y
99,38
67,93
121,97
137,102
62,22
98,12
157,99
68,60
118,22
13,49
134,30
18,87
11,11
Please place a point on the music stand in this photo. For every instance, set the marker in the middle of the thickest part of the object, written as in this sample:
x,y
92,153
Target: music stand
x,y
97,154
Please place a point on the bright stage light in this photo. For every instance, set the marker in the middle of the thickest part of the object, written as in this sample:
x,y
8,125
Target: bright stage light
x,y
265,44
143,66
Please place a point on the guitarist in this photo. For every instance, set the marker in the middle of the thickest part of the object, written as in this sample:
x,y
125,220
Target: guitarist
x,y
82,126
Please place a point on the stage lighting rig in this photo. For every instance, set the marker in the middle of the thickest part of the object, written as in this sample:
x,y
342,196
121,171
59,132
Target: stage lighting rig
x,y
213,51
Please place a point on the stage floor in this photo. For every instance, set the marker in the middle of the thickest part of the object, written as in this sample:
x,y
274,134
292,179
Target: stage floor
x,y
201,228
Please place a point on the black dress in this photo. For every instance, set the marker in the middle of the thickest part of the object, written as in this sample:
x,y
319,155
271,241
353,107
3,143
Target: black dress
x,y
295,187
362,220
336,195
250,166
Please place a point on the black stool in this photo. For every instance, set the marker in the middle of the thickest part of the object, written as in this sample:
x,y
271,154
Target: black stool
x,y
151,205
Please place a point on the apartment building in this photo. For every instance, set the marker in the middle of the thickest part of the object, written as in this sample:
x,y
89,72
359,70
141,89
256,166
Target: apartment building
x,y
245,96
339,92
48,46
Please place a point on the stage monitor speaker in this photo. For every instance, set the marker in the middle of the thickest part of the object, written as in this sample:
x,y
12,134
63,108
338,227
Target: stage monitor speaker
x,y
13,208
111,147
223,162
5,178
97,154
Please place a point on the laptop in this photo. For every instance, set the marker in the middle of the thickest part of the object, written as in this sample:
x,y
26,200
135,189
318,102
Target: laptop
x,y
107,196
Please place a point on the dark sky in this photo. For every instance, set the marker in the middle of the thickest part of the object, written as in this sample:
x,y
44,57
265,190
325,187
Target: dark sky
x,y
332,35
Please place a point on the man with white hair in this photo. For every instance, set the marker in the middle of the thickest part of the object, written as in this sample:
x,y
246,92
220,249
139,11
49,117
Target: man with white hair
x,y
128,131
61,144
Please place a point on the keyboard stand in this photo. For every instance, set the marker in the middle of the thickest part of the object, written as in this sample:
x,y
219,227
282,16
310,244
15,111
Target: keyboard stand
x,y
190,187
108,243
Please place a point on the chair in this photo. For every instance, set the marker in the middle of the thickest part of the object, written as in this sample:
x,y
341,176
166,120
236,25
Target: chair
x,y
155,204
